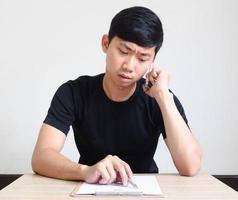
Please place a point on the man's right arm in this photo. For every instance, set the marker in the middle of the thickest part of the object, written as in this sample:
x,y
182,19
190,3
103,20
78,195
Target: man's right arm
x,y
47,159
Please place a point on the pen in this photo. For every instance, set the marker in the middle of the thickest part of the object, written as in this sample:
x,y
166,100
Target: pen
x,y
133,183
130,181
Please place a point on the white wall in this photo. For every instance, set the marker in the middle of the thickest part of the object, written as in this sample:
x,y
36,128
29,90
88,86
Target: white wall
x,y
45,43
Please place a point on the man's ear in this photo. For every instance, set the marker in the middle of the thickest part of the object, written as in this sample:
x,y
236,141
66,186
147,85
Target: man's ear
x,y
105,43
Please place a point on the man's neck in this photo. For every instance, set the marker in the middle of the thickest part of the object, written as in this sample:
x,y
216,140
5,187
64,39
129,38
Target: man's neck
x,y
115,92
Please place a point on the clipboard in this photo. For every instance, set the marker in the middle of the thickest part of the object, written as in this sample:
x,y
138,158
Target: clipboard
x,y
147,186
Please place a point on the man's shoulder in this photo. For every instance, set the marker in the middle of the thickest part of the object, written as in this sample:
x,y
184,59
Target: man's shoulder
x,y
84,84
86,79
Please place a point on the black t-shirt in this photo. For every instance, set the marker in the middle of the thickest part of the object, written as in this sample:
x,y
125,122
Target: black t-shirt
x,y
128,129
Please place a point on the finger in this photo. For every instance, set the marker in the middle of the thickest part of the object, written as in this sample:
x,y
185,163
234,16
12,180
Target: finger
x,y
148,76
119,166
104,174
112,172
128,169
122,173
154,74
96,177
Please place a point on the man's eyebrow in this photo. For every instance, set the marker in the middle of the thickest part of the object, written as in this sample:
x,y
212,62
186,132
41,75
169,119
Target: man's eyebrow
x,y
126,46
129,48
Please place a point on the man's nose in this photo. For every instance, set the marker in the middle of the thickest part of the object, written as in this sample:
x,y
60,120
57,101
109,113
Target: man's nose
x,y
129,65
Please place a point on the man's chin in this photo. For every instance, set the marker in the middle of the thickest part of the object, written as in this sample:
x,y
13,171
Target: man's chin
x,y
127,85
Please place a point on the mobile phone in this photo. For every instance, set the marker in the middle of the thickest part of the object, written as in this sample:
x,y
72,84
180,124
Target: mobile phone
x,y
147,84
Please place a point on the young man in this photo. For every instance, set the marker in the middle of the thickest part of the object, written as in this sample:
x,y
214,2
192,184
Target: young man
x,y
116,119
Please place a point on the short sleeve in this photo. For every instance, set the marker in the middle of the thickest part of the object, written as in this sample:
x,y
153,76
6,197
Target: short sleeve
x,y
61,112
181,111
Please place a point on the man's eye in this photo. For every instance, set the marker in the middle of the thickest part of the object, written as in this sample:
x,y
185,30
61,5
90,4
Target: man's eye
x,y
142,60
123,52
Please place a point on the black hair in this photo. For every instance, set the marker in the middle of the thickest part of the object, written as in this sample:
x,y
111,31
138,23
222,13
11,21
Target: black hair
x,y
139,25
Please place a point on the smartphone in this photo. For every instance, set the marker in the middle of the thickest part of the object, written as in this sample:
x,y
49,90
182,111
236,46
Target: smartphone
x,y
147,84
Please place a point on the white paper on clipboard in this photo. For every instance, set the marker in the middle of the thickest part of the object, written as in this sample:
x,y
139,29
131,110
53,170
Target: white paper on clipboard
x,y
147,186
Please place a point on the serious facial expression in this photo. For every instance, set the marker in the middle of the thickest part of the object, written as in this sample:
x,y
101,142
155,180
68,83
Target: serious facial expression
x,y
126,62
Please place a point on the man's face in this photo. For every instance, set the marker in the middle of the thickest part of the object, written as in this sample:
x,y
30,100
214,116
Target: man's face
x,y
126,62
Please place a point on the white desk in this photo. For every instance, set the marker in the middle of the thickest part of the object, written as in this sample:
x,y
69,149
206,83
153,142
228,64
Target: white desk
x,y
202,186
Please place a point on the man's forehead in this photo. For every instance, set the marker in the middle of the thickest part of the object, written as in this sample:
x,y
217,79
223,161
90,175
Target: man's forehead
x,y
133,46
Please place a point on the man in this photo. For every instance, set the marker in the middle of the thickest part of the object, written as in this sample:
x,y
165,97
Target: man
x,y
117,117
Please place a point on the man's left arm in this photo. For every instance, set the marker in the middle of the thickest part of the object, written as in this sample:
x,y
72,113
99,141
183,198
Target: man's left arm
x,y
184,148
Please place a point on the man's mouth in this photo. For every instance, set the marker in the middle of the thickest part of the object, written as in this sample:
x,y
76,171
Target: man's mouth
x,y
125,76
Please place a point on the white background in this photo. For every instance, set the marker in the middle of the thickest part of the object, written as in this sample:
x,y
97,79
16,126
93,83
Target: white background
x,y
45,43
